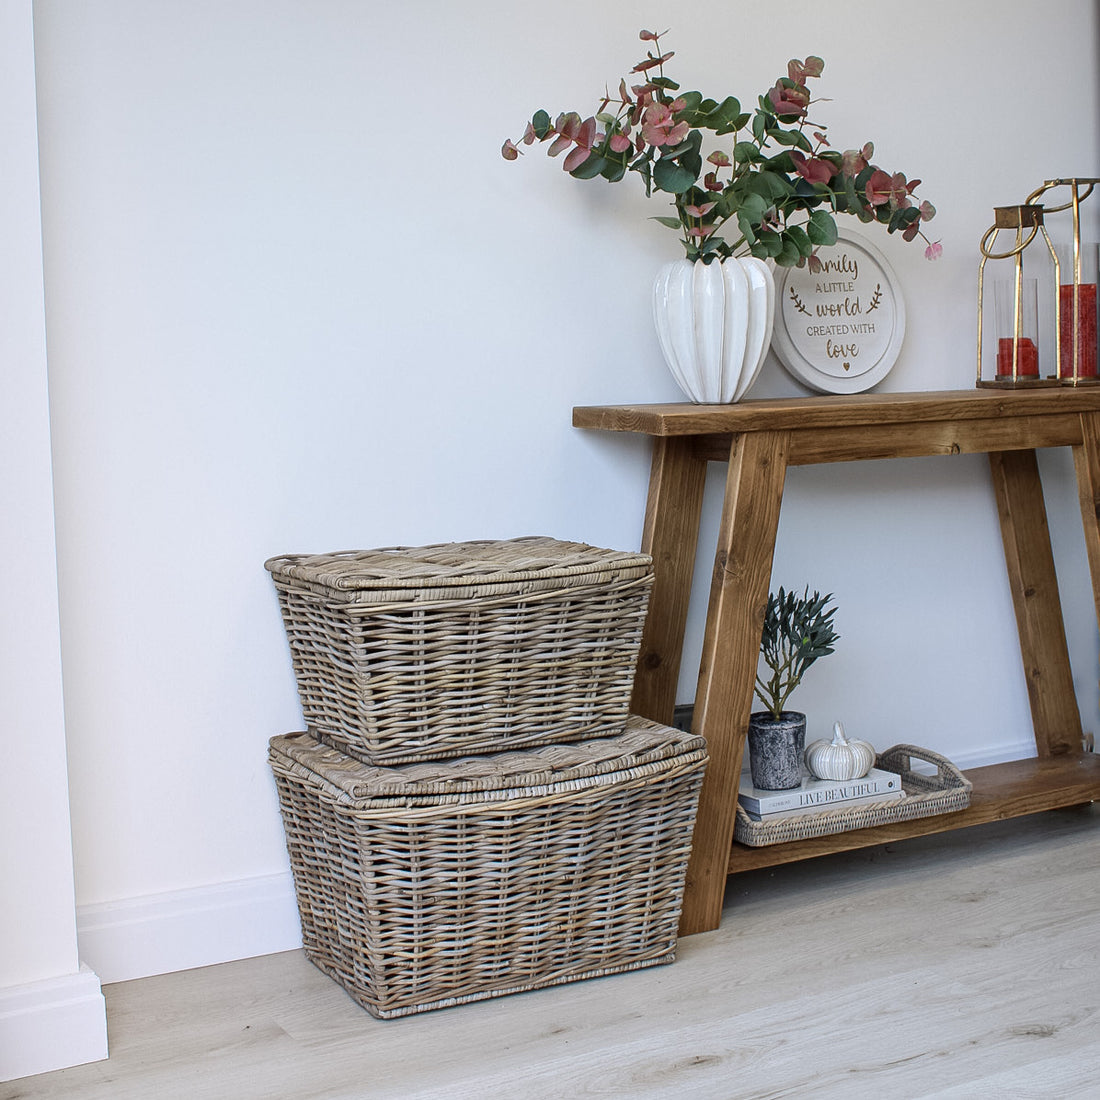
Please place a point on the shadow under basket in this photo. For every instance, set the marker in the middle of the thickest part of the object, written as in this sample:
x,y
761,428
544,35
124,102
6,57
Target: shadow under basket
x,y
406,654
434,884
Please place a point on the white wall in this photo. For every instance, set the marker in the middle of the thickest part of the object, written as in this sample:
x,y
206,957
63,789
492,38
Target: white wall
x,y
296,301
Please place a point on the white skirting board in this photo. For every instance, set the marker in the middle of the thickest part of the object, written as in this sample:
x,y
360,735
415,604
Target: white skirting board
x,y
184,929
52,1024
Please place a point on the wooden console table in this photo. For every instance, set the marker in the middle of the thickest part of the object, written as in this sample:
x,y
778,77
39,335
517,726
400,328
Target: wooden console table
x,y
759,440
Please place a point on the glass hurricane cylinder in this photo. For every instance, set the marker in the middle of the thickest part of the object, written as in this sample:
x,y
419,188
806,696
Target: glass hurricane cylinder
x,y
1077,329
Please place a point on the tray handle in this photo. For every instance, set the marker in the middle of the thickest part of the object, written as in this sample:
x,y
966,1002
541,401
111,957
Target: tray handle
x,y
900,759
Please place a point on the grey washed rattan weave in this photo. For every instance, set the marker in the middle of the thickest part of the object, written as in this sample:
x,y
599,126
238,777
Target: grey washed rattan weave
x,y
433,884
925,796
404,654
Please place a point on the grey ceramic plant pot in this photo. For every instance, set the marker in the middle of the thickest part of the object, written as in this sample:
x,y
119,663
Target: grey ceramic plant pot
x,y
775,749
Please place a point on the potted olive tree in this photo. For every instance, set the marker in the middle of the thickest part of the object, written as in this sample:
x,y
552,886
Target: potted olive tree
x,y
797,631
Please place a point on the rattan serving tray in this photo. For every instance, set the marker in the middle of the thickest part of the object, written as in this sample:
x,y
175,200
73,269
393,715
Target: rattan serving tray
x,y
418,653
434,884
925,796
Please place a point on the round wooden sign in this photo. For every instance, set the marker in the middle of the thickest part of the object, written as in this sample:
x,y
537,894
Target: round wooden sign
x,y
839,327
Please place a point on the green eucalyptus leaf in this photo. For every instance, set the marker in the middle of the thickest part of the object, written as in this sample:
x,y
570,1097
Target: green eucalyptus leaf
x,y
644,167
691,107
613,170
592,166
821,229
771,186
540,123
798,236
786,137
665,82
724,116
671,223
753,206
788,255
672,177
690,144
746,152
771,242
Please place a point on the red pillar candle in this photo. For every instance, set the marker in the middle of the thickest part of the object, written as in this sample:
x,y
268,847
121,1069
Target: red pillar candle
x,y
1086,331
1027,358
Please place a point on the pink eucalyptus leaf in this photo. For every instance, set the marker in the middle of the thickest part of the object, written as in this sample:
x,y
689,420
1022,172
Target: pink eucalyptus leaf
x,y
853,163
509,151
719,159
934,251
700,211
789,101
678,133
927,211
878,188
814,170
576,158
651,62
559,144
620,143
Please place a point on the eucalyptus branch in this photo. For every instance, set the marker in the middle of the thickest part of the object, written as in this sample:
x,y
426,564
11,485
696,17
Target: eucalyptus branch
x,y
783,191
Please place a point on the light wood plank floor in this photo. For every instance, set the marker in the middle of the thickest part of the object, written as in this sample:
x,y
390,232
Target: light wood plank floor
x,y
962,966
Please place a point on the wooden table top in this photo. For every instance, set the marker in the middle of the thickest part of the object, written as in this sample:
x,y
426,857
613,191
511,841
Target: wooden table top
x,y
830,411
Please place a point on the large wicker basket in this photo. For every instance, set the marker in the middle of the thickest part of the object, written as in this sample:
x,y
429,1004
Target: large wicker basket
x,y
409,654
433,884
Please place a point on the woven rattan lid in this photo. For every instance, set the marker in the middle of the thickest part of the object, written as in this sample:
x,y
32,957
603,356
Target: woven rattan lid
x,y
641,744
525,564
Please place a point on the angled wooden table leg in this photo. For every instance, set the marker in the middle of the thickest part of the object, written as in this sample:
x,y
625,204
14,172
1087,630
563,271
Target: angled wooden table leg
x,y
731,645
670,534
1034,584
1086,460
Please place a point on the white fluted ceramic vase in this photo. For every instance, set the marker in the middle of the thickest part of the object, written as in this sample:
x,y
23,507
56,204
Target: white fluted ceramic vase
x,y
714,324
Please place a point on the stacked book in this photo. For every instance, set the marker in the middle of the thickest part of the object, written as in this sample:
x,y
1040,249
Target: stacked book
x,y
816,795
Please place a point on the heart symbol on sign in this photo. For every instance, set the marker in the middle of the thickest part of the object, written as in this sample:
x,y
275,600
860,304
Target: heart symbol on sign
x,y
847,366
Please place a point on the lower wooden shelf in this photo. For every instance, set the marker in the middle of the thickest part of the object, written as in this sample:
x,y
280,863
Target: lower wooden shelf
x,y
1000,791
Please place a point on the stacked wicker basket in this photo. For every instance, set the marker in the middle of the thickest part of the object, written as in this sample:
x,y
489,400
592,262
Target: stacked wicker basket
x,y
472,811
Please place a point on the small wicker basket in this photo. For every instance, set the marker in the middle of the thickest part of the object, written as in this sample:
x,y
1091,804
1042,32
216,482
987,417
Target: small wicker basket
x,y
407,654
925,796
434,884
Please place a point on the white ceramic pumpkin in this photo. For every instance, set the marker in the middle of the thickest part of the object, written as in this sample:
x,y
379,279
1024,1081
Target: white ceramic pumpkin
x,y
840,758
